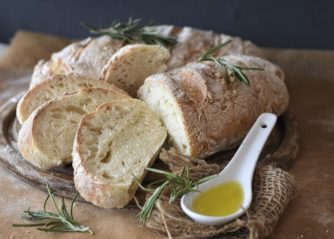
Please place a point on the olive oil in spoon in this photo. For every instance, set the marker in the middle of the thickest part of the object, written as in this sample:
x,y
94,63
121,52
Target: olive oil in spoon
x,y
227,196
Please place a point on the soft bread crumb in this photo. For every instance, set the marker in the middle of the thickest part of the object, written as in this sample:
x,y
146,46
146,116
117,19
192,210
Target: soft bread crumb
x,y
131,64
46,137
113,145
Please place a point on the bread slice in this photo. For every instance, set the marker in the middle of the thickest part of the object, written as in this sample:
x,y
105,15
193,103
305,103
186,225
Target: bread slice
x,y
53,88
205,112
46,137
112,145
130,65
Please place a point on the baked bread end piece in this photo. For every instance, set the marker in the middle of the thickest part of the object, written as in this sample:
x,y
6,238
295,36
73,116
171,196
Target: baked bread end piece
x,y
205,110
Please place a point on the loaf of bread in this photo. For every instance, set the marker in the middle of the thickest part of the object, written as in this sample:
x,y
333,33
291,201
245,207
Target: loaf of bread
x,y
46,137
53,88
192,43
132,64
112,146
205,111
91,57
85,58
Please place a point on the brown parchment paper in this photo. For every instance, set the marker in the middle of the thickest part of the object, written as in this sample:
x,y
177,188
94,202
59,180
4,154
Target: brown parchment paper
x,y
310,79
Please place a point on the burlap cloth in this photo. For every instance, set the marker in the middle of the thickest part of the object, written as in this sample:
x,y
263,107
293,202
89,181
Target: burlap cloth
x,y
273,188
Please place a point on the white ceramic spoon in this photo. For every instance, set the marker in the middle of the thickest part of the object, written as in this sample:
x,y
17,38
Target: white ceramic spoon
x,y
240,169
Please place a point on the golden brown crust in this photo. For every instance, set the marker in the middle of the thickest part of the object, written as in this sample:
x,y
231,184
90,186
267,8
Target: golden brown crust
x,y
28,147
192,43
85,58
90,56
56,86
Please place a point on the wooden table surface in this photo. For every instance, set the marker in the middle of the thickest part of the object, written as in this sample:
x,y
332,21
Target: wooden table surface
x,y
310,79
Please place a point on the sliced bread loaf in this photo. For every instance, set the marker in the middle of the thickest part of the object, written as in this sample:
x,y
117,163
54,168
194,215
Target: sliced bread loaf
x,y
53,88
130,65
46,137
112,146
205,111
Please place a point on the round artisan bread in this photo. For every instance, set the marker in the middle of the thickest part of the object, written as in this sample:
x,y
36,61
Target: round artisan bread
x,y
111,147
85,58
53,88
94,57
206,110
46,137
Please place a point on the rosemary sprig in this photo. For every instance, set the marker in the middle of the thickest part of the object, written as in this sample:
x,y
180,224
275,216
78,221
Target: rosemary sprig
x,y
226,66
59,221
179,183
133,31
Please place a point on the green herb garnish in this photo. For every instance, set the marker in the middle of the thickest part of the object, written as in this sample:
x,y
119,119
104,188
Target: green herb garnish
x,y
179,184
59,221
226,66
133,32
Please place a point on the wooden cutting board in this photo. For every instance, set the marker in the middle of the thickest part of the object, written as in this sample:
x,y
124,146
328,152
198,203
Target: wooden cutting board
x,y
310,80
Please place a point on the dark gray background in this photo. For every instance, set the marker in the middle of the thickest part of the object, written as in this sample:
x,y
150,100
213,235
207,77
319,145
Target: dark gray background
x,y
292,24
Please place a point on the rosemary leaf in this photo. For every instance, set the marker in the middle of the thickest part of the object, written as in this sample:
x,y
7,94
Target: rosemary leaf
x,y
212,50
59,221
225,65
133,32
149,204
179,184
28,225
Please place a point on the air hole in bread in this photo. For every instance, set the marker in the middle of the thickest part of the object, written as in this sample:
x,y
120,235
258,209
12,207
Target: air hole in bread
x,y
60,85
73,121
57,116
96,130
85,101
75,109
106,175
107,158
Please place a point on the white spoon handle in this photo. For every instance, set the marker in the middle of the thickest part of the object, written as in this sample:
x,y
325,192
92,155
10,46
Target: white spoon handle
x,y
244,161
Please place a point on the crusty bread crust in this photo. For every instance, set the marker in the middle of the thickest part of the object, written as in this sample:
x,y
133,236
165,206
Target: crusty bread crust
x,y
90,57
118,187
46,137
60,62
192,43
85,58
216,112
53,88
